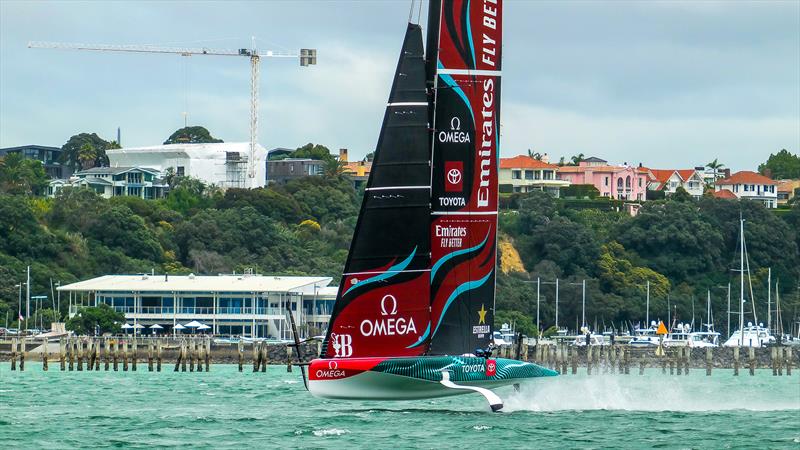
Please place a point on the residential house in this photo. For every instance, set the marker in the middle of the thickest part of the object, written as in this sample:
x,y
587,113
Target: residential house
x,y
749,185
287,169
619,182
669,180
49,157
525,174
110,182
787,190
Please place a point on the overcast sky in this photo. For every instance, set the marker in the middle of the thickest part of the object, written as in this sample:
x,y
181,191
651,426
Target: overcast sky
x,y
669,84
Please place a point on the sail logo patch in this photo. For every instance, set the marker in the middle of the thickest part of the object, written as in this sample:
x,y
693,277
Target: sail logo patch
x,y
343,345
388,325
454,178
332,372
454,134
491,367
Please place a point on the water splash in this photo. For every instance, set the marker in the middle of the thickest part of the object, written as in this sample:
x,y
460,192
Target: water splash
x,y
656,392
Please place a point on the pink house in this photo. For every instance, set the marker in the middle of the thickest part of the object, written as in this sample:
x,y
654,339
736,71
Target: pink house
x,y
619,182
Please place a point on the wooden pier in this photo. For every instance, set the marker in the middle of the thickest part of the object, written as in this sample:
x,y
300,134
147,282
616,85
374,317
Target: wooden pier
x,y
197,354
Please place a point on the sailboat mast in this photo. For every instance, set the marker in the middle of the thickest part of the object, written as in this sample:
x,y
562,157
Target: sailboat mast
x,y
647,312
741,284
708,310
769,298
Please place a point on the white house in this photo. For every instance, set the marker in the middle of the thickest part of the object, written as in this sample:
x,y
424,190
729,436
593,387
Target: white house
x,y
110,182
749,185
221,164
668,180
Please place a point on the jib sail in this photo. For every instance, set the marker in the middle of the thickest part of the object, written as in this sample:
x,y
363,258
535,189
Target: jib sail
x,y
465,153
382,307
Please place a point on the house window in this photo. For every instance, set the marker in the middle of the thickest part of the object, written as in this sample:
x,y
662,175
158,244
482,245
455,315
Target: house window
x,y
528,174
606,181
640,181
180,171
517,189
628,181
516,174
735,188
619,183
746,186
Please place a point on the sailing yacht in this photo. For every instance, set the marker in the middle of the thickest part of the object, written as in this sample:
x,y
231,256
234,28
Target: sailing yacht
x,y
752,335
414,311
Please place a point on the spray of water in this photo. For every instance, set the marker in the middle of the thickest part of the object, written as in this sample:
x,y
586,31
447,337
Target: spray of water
x,y
657,393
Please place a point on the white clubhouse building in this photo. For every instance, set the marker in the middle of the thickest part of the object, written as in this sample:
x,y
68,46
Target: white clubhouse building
x,y
246,305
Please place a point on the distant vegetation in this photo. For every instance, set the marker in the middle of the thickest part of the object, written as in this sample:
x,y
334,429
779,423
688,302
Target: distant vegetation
x,y
782,165
681,246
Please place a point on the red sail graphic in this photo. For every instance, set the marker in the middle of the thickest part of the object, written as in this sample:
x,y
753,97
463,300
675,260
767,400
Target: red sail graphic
x,y
464,178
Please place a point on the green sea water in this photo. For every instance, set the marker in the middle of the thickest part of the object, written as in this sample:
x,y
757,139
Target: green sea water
x,y
227,409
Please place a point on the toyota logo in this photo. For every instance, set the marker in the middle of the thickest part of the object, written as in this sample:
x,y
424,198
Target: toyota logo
x,y
453,176
333,365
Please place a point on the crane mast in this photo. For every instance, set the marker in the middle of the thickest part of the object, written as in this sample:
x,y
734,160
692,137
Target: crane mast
x,y
306,56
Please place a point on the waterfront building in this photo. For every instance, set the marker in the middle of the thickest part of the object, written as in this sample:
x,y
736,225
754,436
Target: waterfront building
x,y
525,174
669,180
749,185
224,165
619,182
246,305
110,182
48,156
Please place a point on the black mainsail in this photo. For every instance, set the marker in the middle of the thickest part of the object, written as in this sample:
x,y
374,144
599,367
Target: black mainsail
x,y
382,307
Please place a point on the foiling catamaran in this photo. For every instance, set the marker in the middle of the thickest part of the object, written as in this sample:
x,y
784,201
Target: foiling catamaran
x,y
413,315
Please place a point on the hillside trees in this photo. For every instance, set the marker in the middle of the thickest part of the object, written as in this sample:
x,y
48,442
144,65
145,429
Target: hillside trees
x,y
22,176
781,165
89,145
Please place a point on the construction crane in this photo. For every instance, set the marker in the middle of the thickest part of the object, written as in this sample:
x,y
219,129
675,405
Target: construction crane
x,y
307,57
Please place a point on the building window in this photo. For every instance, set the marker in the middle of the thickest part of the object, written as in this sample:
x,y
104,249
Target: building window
x,y
606,181
516,174
180,171
640,181
619,183
528,174
628,182
746,186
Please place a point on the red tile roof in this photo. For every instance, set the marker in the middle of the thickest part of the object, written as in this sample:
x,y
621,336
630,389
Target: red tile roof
x,y
525,162
686,173
745,177
662,175
724,193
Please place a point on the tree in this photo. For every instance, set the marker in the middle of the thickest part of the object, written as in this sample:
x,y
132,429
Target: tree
x,y
100,319
71,150
575,160
782,165
86,156
715,166
681,195
313,151
22,176
191,135
535,155
334,168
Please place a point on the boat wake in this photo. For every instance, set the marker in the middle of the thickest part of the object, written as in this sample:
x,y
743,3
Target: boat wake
x,y
651,393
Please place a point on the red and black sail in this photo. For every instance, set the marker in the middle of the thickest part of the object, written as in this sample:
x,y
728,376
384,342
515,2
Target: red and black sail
x,y
464,177
382,308
420,275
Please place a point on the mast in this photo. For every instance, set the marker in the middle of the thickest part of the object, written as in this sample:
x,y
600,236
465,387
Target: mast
x,y
769,298
647,308
741,284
